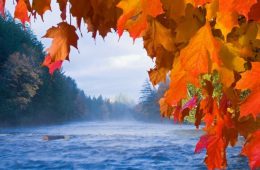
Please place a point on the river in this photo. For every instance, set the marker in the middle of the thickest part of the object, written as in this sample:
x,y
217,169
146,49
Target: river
x,y
107,145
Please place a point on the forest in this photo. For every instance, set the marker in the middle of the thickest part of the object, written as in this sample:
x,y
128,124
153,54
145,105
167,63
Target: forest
x,y
31,96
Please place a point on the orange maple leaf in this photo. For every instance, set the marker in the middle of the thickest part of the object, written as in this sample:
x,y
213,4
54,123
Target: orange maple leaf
x,y
135,13
201,52
2,7
226,21
252,150
21,12
215,145
250,80
251,105
239,6
63,37
41,6
228,12
178,88
178,85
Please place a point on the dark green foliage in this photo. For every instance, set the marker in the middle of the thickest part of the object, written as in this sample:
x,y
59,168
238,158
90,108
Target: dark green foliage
x,y
14,39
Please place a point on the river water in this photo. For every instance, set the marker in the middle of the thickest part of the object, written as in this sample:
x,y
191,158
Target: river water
x,y
107,145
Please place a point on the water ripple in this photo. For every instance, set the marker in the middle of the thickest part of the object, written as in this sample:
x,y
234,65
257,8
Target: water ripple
x,y
106,146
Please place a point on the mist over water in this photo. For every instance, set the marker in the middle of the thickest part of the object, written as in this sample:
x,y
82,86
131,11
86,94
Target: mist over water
x,y
106,145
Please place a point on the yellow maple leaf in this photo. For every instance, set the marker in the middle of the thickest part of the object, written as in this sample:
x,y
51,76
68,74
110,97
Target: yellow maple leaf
x,y
231,58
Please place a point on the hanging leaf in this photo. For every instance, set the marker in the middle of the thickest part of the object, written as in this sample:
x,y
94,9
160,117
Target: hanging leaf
x,y
21,12
41,6
135,13
252,150
227,17
215,146
63,7
63,37
250,80
157,75
158,35
202,51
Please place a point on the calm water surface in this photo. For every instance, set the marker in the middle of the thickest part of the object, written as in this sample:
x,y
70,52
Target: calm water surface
x,y
100,145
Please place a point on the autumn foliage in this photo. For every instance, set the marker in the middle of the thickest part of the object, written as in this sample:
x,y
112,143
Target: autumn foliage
x,y
212,45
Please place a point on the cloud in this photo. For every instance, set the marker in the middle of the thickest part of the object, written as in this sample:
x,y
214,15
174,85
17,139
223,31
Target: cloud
x,y
117,64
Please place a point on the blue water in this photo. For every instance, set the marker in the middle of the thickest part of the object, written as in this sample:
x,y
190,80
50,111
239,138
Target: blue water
x,y
100,145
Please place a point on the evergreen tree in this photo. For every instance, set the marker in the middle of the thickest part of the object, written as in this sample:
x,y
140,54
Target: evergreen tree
x,y
148,105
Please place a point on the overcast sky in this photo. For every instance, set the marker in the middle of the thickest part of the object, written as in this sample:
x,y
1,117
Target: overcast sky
x,y
109,67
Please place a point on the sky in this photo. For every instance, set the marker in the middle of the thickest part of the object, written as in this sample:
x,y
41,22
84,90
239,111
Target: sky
x,y
109,67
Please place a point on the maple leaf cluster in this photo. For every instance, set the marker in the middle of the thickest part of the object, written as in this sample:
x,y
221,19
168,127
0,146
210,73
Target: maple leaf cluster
x,y
213,45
